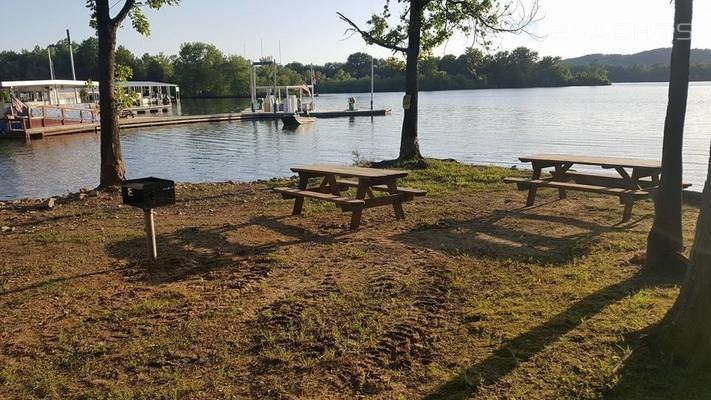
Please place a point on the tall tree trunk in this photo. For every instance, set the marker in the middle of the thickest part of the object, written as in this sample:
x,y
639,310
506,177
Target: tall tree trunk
x,y
409,145
113,171
686,330
665,242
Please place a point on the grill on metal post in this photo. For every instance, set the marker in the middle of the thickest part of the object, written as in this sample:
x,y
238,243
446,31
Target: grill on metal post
x,y
147,194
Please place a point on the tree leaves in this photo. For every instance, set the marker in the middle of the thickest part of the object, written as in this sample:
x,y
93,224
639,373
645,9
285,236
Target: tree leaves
x,y
132,10
442,18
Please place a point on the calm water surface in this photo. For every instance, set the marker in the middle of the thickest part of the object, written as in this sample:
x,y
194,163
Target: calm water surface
x,y
482,127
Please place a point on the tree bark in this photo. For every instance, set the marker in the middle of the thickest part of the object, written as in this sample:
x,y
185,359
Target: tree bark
x,y
665,242
409,145
113,171
686,330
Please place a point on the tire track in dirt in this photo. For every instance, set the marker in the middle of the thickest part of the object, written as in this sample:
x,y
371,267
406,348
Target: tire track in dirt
x,y
407,343
277,326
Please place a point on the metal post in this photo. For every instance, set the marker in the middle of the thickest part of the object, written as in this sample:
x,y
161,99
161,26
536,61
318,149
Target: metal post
x,y
74,73
372,81
150,234
51,67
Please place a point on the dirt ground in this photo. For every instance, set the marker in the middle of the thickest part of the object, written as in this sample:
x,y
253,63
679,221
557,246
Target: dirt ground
x,y
471,296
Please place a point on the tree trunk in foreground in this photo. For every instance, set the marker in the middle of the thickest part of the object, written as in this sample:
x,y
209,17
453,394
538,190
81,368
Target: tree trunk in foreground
x,y
409,145
113,171
665,242
686,330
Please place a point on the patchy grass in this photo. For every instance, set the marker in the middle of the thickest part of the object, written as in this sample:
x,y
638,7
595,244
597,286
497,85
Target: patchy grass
x,y
472,296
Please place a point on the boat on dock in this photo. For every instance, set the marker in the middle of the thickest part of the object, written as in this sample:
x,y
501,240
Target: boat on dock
x,y
295,120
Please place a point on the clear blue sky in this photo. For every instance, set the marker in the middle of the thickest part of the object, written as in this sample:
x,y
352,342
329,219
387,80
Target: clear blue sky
x,y
310,31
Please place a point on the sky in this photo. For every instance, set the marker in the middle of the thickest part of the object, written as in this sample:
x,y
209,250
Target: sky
x,y
310,32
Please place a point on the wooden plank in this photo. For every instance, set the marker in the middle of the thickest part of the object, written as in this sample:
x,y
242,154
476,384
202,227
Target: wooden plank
x,y
358,172
527,183
606,162
384,188
587,178
298,193
386,201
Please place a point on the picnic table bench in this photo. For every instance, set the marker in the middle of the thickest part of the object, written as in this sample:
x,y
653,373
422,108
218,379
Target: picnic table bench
x,y
334,181
636,179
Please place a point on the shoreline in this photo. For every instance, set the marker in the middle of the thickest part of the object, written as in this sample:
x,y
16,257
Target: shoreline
x,y
690,196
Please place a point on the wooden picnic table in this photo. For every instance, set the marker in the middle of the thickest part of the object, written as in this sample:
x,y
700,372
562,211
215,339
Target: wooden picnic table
x,y
636,178
334,181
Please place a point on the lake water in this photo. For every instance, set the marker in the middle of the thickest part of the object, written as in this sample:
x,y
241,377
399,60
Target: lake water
x,y
477,126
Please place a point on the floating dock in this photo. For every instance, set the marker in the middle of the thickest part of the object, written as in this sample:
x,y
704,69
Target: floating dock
x,y
146,122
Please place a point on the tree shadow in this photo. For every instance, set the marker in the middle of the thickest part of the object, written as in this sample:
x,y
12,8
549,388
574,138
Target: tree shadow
x,y
42,284
494,237
527,345
197,251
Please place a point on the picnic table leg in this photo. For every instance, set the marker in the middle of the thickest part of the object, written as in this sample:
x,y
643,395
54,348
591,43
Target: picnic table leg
x,y
299,201
629,200
397,206
560,170
360,195
531,200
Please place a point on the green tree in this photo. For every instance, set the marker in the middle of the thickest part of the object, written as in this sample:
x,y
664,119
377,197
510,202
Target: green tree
x,y
665,242
426,24
113,170
236,76
86,56
358,65
158,68
198,69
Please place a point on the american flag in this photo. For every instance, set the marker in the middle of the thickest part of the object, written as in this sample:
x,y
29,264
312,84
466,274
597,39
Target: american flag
x,y
17,104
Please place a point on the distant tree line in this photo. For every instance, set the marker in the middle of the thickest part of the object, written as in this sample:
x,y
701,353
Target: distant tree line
x,y
647,73
202,70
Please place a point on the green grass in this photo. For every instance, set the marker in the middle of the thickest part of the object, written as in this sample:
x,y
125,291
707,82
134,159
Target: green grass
x,y
442,177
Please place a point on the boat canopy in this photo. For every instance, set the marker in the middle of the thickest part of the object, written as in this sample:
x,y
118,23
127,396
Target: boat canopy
x,y
46,83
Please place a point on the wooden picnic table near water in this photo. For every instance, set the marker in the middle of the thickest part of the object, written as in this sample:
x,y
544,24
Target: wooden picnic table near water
x,y
335,180
636,178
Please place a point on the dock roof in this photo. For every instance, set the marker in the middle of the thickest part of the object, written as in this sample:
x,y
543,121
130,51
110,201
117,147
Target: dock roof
x,y
66,83
43,83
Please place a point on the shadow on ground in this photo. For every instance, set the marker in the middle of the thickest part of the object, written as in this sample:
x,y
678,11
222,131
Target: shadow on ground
x,y
527,345
503,234
649,375
195,251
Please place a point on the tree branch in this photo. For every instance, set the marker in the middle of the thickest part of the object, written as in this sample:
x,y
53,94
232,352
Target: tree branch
x,y
118,19
370,38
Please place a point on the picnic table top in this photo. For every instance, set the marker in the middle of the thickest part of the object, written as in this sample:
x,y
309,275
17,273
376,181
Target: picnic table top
x,y
605,162
357,172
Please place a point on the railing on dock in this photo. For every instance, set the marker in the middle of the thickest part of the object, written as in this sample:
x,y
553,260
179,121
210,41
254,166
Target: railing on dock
x,y
43,116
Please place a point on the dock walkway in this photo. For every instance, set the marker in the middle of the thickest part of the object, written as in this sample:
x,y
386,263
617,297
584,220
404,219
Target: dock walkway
x,y
145,122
